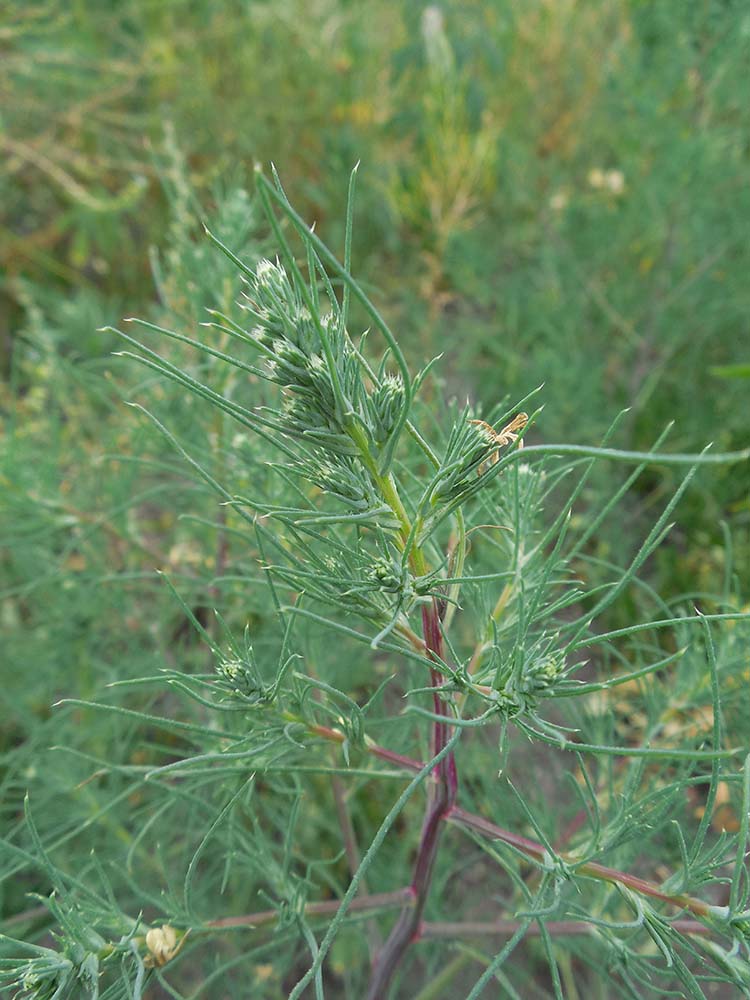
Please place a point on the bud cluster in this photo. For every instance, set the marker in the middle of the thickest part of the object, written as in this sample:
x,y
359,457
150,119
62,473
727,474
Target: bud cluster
x,y
274,302
388,575
471,446
342,479
386,402
242,678
306,355
521,687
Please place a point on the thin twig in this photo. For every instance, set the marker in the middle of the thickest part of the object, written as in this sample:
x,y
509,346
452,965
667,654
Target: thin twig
x,y
557,928
353,858
592,869
376,901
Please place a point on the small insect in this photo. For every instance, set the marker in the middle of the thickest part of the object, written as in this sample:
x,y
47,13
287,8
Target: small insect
x,y
162,945
503,437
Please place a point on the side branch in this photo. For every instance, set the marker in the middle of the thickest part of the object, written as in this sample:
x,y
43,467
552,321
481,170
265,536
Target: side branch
x,y
591,869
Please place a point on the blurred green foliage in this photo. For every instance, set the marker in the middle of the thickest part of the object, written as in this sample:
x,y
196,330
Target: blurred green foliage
x,y
554,191
551,191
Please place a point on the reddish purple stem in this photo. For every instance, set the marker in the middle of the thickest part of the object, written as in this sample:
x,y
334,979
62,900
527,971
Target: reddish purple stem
x,y
441,800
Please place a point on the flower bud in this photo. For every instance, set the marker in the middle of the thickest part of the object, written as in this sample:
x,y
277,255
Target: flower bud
x,y
387,401
464,460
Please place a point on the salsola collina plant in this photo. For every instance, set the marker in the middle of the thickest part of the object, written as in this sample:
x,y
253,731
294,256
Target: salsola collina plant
x,y
430,623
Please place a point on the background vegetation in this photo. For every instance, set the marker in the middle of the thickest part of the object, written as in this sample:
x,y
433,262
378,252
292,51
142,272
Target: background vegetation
x,y
551,191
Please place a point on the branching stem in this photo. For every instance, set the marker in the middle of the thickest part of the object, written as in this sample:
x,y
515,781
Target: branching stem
x,y
556,928
532,848
364,903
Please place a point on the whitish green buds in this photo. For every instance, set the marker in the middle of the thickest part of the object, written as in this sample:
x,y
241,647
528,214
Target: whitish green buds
x,y
521,686
344,481
470,447
387,402
272,287
388,574
242,678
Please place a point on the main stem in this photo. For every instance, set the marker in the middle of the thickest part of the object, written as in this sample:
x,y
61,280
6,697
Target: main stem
x,y
440,801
